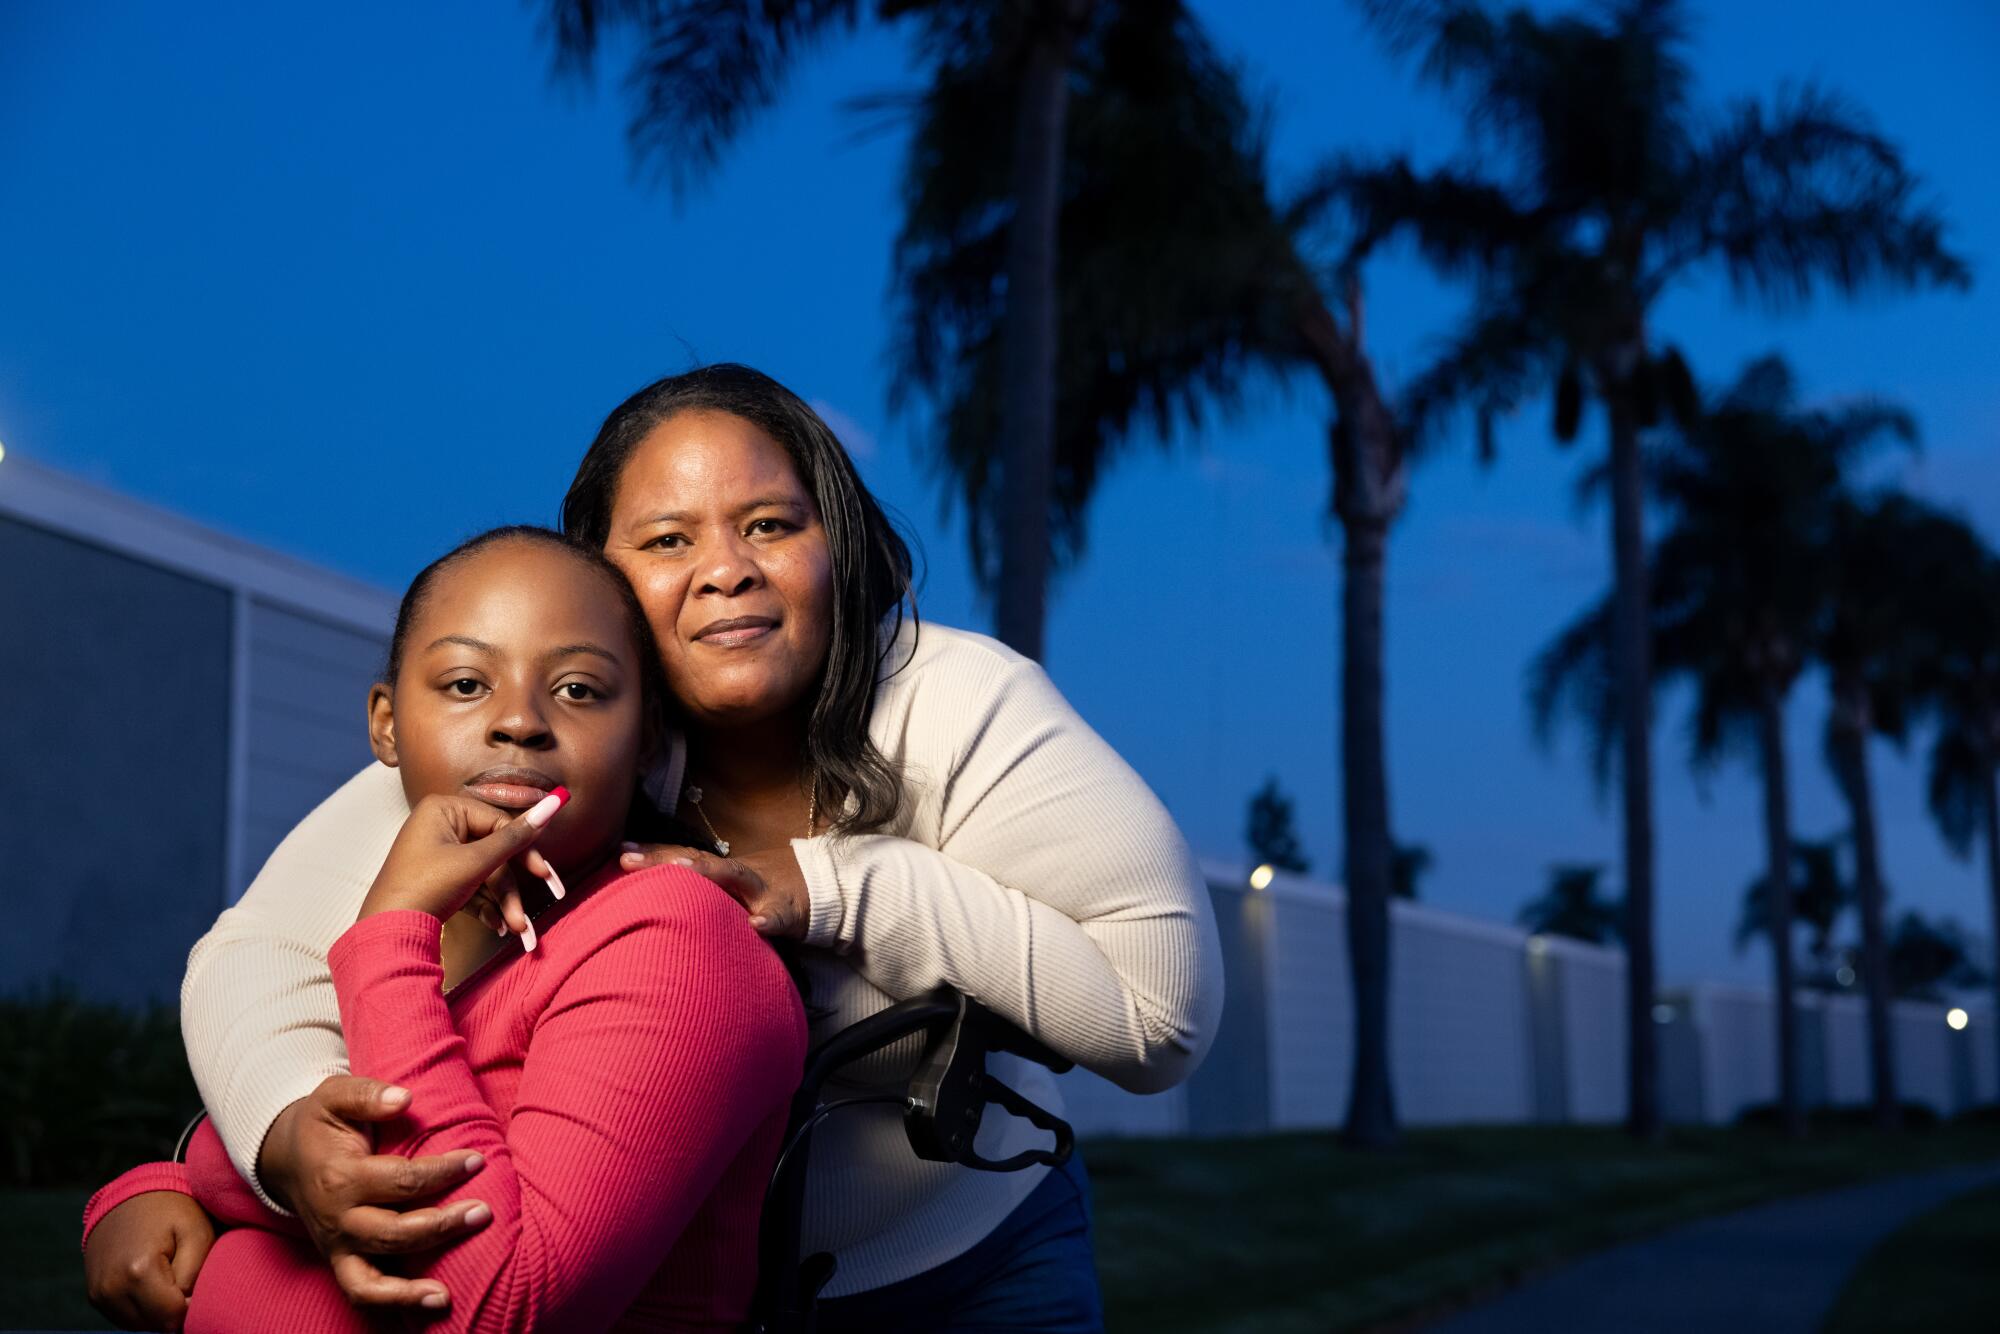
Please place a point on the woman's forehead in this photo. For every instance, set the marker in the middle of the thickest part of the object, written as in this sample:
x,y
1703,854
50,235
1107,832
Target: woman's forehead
x,y
706,456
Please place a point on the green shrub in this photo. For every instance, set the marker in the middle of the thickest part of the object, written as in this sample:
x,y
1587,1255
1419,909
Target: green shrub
x,y
87,1089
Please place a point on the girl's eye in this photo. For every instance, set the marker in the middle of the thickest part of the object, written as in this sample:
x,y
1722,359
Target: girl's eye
x,y
576,691
465,687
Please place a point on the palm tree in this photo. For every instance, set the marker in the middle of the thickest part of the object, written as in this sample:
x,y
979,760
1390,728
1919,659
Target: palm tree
x,y
1959,688
1887,561
1412,862
1269,833
1738,594
1820,894
1926,956
704,68
1570,906
1171,298
1619,189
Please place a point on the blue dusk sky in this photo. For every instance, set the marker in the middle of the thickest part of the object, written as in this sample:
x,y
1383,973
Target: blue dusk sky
x,y
353,281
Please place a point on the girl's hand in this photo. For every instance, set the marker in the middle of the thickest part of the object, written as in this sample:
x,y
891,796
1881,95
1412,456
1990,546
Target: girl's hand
x,y
449,849
768,884
142,1259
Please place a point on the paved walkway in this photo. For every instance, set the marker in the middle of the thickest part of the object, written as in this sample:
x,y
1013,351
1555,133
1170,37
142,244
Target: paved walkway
x,y
1774,1269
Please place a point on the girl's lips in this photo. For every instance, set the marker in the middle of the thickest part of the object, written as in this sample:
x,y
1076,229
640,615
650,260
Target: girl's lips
x,y
507,796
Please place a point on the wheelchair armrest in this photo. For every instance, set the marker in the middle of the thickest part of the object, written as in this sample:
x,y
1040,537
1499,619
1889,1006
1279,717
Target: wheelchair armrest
x,y
942,1110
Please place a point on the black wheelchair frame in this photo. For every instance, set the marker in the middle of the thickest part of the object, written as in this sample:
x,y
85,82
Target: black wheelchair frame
x,y
943,1107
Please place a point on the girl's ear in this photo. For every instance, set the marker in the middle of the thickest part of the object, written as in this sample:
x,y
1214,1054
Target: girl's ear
x,y
382,723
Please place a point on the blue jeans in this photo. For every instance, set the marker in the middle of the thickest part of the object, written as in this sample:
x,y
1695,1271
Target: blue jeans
x,y
1034,1274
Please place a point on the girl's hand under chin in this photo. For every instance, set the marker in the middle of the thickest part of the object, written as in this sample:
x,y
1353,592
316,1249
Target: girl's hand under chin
x,y
450,848
769,884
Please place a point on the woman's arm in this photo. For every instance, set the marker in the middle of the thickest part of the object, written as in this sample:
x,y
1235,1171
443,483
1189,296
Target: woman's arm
x,y
671,1036
258,1011
1061,893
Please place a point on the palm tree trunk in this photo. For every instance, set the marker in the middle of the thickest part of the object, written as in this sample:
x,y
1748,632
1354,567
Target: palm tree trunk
x,y
1371,1106
1992,797
1850,729
1632,673
1778,877
1028,351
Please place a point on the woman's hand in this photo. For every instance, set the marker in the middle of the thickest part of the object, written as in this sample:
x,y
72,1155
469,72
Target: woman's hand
x,y
319,1158
449,849
142,1258
768,884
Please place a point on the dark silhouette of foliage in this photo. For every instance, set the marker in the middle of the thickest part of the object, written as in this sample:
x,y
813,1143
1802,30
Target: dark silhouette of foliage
x,y
1925,957
1269,832
88,1089
1572,906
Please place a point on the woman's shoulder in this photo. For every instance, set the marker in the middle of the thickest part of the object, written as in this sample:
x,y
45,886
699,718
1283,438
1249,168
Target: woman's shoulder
x,y
945,660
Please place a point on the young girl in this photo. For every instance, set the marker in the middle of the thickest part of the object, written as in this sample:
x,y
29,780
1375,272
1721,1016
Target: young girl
x,y
623,1079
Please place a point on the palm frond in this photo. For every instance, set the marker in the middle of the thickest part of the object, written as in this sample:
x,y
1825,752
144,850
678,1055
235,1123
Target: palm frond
x,y
1810,193
1571,679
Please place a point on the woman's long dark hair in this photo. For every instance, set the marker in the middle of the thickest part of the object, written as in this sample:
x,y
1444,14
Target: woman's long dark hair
x,y
871,561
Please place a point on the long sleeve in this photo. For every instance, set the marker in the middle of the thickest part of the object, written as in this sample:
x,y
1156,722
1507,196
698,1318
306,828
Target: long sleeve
x,y
258,1012
672,1038
207,1176
1043,877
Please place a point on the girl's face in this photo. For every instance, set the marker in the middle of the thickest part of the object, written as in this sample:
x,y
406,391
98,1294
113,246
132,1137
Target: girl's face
x,y
519,673
724,546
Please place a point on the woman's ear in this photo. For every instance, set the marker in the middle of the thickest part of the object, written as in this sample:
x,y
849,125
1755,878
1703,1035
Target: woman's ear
x,y
382,723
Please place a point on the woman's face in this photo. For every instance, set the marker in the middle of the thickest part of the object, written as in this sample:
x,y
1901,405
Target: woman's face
x,y
724,545
519,674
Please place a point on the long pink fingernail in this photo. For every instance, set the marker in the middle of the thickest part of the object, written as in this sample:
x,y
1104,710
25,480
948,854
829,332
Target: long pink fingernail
x,y
528,938
545,810
555,882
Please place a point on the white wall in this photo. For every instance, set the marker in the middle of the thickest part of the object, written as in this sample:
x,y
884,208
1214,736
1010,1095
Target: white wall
x,y
1489,1024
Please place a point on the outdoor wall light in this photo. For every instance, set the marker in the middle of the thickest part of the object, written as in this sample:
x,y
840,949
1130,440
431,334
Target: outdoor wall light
x,y
1261,877
1663,1014
1537,945
1844,975
1957,1018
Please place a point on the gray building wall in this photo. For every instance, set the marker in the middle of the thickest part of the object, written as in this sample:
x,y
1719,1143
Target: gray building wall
x,y
114,751
306,720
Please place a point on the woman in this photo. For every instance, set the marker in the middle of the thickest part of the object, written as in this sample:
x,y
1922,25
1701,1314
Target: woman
x,y
917,808
625,1080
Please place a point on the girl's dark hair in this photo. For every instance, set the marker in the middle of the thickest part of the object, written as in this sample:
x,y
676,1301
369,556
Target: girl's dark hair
x,y
650,681
871,562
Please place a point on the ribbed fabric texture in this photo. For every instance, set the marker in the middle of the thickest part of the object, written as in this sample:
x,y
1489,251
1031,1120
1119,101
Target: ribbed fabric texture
x,y
627,1084
1030,868
145,1177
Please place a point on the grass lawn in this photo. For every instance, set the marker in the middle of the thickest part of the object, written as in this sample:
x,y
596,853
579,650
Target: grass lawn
x,y
1289,1232
1939,1275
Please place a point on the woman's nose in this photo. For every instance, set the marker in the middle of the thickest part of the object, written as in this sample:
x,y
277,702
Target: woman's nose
x,y
731,569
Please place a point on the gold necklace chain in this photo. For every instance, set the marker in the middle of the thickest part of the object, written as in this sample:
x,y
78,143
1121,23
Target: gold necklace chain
x,y
694,795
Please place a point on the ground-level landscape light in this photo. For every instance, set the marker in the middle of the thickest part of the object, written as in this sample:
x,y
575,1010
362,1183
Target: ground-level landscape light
x,y
1957,1018
1261,877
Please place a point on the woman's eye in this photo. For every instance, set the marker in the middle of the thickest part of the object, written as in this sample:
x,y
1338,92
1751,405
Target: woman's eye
x,y
666,541
767,527
576,691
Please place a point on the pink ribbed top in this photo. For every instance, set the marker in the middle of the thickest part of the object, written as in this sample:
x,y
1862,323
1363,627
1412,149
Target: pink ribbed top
x,y
627,1083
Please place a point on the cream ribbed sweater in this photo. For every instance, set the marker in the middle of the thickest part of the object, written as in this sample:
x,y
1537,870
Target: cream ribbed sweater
x,y
1030,868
